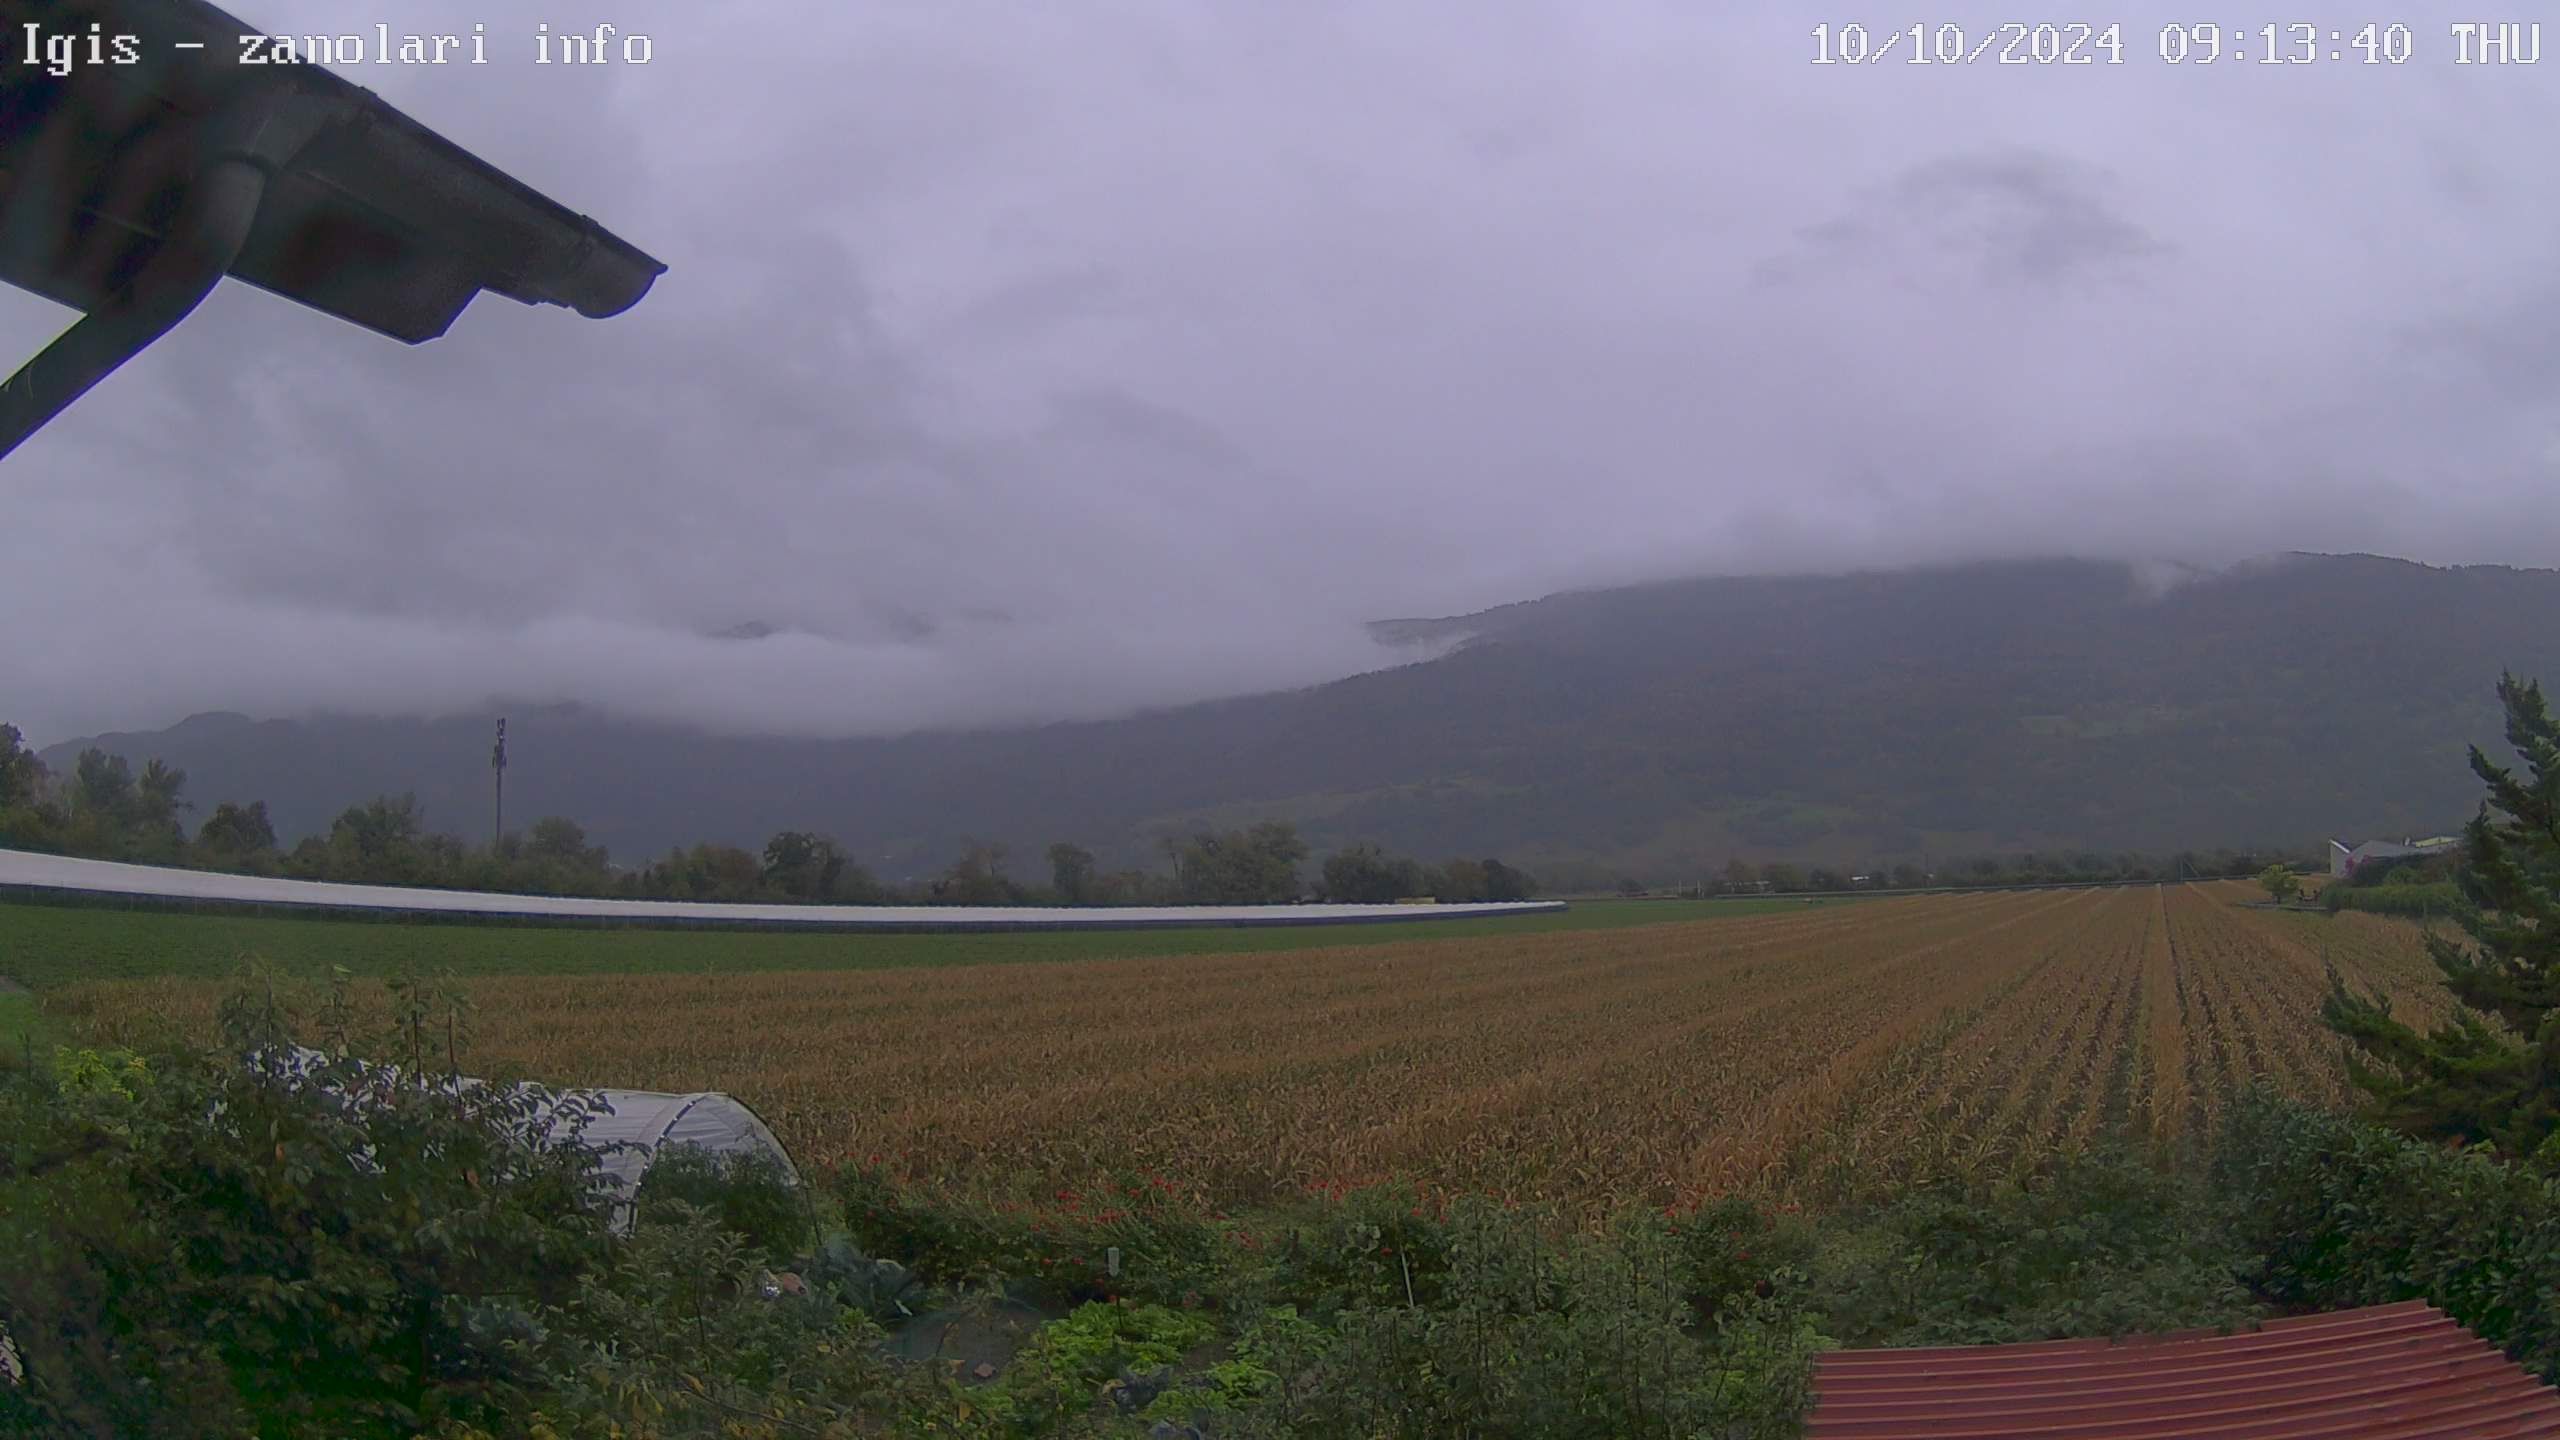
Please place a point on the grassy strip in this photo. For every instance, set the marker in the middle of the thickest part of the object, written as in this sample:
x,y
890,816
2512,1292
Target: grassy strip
x,y
2415,902
54,945
26,1031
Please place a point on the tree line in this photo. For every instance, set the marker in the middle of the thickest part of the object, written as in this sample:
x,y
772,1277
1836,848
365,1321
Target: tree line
x,y
104,809
2077,867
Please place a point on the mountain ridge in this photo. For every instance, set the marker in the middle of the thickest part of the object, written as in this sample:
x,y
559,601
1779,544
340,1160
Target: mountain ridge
x,y
1866,717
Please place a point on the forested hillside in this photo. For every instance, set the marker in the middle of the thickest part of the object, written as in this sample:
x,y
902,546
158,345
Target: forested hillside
x,y
1997,707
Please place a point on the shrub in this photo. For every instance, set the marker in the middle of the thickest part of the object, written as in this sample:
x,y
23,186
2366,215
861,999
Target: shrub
x,y
2440,900
1099,1352
673,1340
190,1246
882,1289
1732,1246
2096,1244
1533,1335
219,1244
750,1192
1376,1246
1172,1249
2346,1213
1378,1312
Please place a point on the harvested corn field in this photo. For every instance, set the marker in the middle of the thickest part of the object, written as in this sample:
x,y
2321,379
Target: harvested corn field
x,y
1809,1054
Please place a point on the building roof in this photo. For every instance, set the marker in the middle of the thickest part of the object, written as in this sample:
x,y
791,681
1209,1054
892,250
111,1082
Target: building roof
x,y
2388,1372
22,870
2386,849
367,214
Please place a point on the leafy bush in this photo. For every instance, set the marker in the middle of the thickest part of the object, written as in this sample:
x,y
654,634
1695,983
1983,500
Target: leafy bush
x,y
220,1247
1379,1312
1172,1249
2099,1244
882,1289
1533,1335
675,1341
2346,1213
2280,883
229,1243
749,1191
1732,1247
1375,1246
1100,1352
2438,900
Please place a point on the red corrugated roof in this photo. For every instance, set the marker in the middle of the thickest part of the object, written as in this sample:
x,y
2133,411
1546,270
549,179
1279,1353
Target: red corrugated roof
x,y
2391,1372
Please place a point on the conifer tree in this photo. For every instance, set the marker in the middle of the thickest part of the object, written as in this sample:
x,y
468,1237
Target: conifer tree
x,y
2492,1073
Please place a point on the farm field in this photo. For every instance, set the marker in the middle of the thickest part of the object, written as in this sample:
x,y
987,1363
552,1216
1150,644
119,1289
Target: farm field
x,y
1808,1055
44,945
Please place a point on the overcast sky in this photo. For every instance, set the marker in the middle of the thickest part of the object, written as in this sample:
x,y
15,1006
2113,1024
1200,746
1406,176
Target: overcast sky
x,y
1030,360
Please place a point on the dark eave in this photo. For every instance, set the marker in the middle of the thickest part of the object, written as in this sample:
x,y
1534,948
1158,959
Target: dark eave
x,y
366,214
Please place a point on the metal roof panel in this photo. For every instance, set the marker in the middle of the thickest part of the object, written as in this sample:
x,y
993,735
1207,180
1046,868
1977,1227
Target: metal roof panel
x,y
2385,1372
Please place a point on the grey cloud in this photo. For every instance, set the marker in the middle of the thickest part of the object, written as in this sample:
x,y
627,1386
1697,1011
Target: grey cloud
x,y
1025,361
1029,306
2013,215
2034,216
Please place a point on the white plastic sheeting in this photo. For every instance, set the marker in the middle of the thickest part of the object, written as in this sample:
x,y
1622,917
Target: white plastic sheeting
x,y
24,870
631,1128
637,1124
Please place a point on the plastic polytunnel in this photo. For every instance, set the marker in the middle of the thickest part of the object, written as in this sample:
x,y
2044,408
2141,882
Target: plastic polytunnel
x,y
630,1129
633,1126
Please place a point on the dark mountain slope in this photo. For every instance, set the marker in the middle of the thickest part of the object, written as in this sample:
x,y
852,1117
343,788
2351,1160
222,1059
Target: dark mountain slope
x,y
1858,717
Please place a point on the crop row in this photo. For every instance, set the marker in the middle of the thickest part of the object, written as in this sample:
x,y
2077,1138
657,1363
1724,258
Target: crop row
x,y
1812,1053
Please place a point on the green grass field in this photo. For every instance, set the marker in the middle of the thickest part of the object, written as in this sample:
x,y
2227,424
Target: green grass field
x,y
46,946
25,1031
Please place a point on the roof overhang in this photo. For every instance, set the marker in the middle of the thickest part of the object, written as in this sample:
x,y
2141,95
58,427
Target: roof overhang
x,y
107,171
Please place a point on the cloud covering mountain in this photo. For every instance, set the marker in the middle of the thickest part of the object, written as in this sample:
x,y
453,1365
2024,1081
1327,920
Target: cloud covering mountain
x,y
1040,362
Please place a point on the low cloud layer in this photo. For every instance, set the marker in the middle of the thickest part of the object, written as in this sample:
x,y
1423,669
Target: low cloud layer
x,y
1023,362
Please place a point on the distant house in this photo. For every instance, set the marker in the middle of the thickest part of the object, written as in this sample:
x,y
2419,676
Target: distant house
x,y
2344,862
